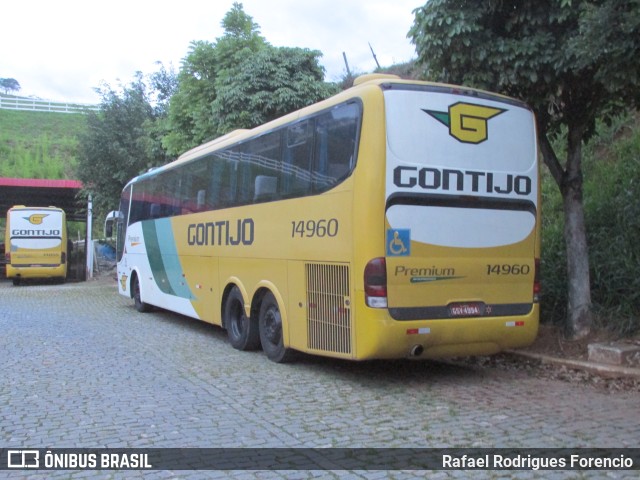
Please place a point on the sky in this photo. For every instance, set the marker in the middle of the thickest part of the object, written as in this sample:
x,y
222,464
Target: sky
x,y
62,50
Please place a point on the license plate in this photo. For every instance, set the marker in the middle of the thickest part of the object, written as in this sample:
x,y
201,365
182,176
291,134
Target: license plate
x,y
475,309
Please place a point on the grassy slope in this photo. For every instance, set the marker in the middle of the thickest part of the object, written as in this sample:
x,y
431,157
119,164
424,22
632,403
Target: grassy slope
x,y
39,144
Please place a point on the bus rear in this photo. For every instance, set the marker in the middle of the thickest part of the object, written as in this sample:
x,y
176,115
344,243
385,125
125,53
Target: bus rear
x,y
459,274
36,243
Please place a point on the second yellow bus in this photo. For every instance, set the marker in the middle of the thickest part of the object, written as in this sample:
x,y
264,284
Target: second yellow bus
x,y
36,243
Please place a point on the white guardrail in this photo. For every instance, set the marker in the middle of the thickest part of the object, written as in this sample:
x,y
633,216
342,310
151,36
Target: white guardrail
x,y
37,105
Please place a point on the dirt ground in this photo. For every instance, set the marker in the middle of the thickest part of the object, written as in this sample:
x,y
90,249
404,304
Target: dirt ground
x,y
552,342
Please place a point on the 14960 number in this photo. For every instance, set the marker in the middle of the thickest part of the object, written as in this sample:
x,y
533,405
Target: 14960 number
x,y
314,228
508,269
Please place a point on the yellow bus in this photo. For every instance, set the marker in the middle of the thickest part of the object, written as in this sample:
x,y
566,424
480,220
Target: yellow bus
x,y
395,219
36,243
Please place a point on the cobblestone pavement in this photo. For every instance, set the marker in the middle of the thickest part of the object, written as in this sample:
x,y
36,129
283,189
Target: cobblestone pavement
x,y
82,368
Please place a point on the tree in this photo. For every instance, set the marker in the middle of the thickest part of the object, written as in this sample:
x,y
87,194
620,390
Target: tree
x,y
240,81
237,24
267,85
9,85
162,86
190,119
189,115
572,61
116,145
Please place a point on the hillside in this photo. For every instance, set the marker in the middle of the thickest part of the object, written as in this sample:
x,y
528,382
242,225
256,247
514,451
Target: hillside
x,y
39,144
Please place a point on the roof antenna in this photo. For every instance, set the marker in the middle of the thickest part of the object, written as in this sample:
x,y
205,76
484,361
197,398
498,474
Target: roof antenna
x,y
374,55
344,55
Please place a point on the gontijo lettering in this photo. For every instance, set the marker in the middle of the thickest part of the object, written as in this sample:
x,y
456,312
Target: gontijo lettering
x,y
429,178
35,233
222,233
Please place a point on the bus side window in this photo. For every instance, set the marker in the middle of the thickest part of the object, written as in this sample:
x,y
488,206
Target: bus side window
x,y
201,200
336,134
219,177
261,157
154,210
137,205
265,189
120,237
192,191
296,173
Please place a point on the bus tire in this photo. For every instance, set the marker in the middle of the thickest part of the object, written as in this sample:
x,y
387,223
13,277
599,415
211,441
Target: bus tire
x,y
242,330
137,297
270,322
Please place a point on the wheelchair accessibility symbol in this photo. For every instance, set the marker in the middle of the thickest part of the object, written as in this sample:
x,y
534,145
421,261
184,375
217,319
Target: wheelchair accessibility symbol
x,y
398,242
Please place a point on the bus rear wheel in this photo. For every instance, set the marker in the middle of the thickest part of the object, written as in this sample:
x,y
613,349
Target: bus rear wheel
x,y
270,322
242,330
137,297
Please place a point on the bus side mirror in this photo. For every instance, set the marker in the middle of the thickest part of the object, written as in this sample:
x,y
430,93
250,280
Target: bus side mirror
x,y
111,218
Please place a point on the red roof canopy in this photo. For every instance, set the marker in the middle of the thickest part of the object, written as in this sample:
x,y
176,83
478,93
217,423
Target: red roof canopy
x,y
39,192
39,183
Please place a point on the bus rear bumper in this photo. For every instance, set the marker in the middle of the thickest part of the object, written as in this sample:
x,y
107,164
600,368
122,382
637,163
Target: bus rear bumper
x,y
446,338
54,271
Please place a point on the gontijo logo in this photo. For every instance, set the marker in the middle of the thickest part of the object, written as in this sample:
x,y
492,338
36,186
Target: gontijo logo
x,y
467,122
36,218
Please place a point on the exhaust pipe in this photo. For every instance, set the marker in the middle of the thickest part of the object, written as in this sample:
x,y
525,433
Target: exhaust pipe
x,y
416,351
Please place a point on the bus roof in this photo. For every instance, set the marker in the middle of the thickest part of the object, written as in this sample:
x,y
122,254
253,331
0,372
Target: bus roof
x,y
361,84
25,207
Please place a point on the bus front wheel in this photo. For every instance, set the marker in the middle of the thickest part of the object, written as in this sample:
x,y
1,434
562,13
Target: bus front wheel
x,y
241,330
137,297
270,323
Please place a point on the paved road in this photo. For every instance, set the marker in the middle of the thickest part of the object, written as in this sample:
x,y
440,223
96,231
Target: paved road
x,y
81,368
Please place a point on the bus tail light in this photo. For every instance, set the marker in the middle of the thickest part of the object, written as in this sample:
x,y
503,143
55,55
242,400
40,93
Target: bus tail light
x,y
537,284
7,257
375,283
63,260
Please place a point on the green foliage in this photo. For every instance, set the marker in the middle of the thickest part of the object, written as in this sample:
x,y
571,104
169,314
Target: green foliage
x,y
612,211
9,85
190,119
554,257
613,216
237,24
239,81
609,38
119,143
269,84
39,144
163,84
